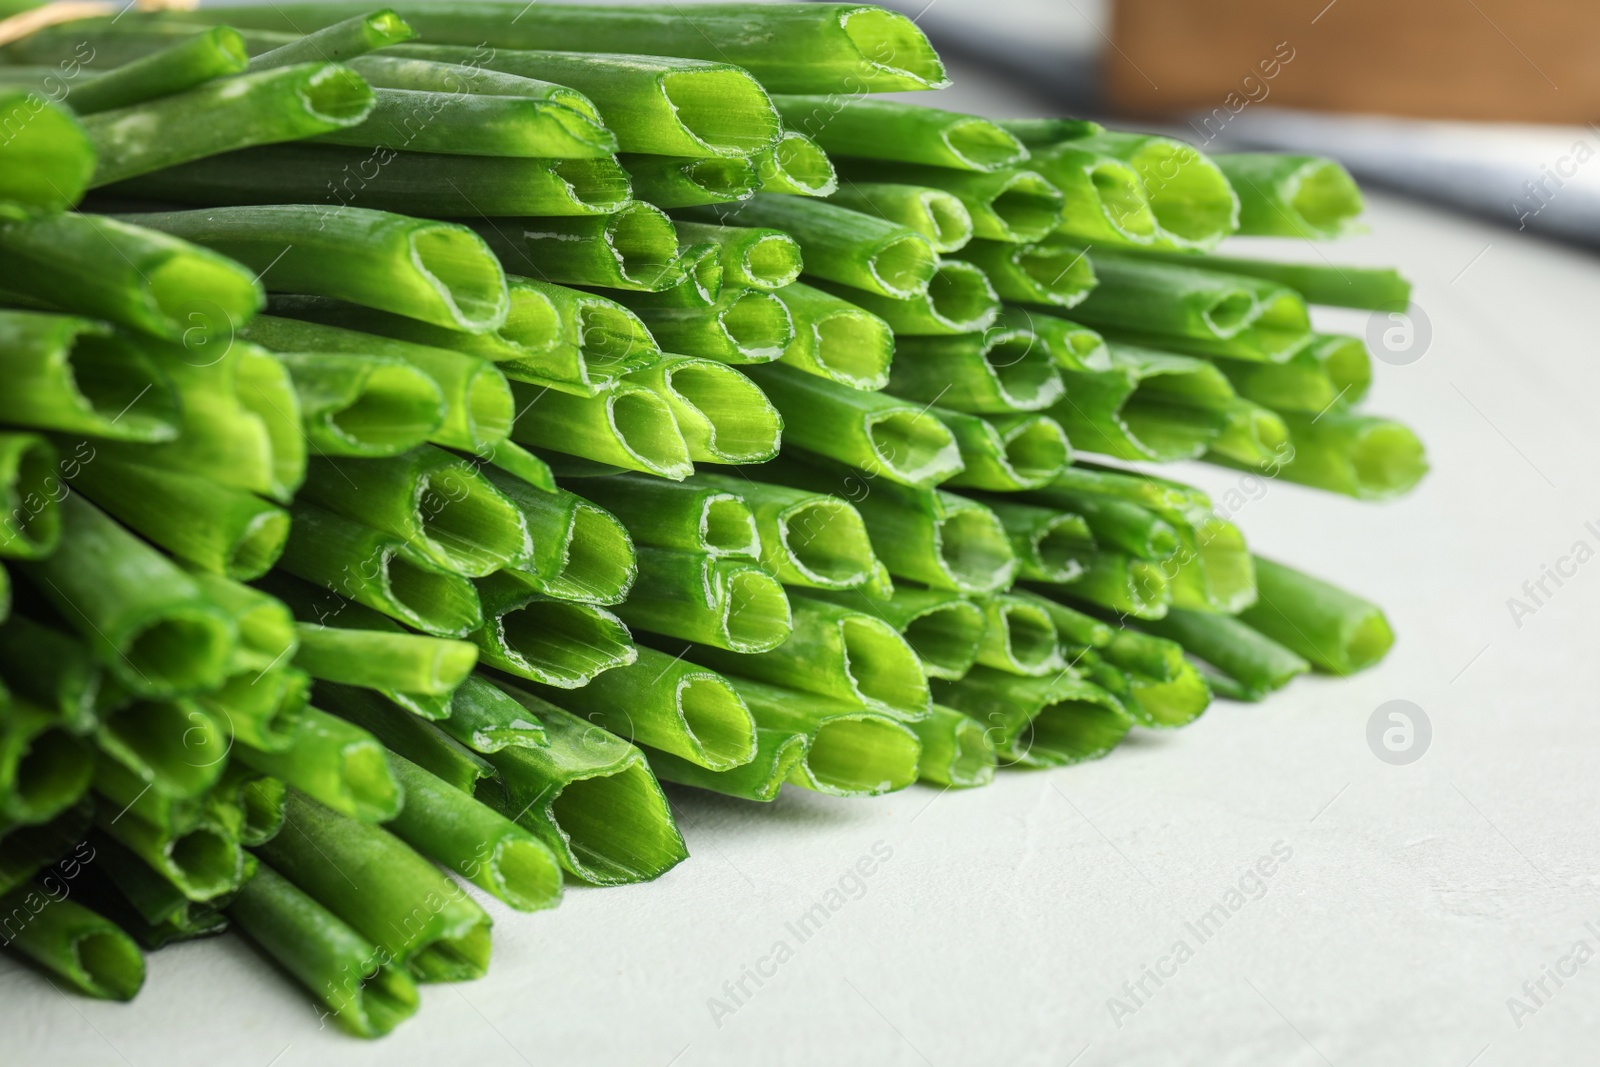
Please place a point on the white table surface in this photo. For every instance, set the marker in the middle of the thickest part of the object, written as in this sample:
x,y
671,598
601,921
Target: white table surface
x,y
1417,899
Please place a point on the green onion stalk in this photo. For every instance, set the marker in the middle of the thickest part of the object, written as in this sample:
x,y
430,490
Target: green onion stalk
x,y
934,213
944,629
835,338
580,552
723,601
796,164
1051,721
690,181
557,642
959,300
703,514
1010,204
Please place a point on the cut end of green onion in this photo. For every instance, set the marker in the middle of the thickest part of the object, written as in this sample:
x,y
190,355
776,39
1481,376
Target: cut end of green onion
x,y
465,274
1036,450
894,52
917,448
859,756
946,638
799,166
756,613
525,874
722,180
717,723
1061,272
727,527
960,298
946,222
1058,547
558,643
724,417
1326,200
982,145
30,524
107,964
617,827
428,598
1020,638
723,108
594,186
956,750
882,668
854,348
369,790
46,776
466,525
599,565
203,863
1027,207
124,395
974,552
183,651
1071,728
826,542
771,261
258,546
1122,200
644,244
336,95
904,266
646,428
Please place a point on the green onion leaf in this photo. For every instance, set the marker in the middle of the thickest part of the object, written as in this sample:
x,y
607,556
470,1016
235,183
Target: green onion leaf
x,y
47,159
336,763
796,164
1010,204
992,373
343,40
956,750
717,600
1291,196
580,552
835,339
742,326
1364,456
959,300
367,406
722,415
1337,631
556,642
689,181
901,132
694,515
934,213
1006,453
1039,722
635,248
1245,655
628,426
82,948
1194,205
943,628
30,524
1148,405
1054,271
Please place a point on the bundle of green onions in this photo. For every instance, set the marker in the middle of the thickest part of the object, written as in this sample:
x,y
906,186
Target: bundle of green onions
x,y
432,433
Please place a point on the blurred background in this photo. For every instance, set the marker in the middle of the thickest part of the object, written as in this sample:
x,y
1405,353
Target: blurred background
x,y
1487,106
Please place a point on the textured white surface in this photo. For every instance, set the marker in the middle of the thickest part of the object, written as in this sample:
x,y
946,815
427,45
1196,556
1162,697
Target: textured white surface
x,y
1417,900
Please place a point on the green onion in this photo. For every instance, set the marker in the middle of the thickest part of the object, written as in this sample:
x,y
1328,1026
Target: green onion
x,y
1193,203
368,996
1006,453
343,40
1019,637
1364,456
365,406
687,181
993,373
835,339
654,105
1078,632
418,918
778,756
88,952
796,164
144,618
1164,689
695,515
204,863
30,525
380,571
869,430
332,179
722,415
384,660
595,341
477,401
1104,197
421,742
1148,405
484,719
812,48
256,801
335,763
223,530
807,539
1291,196
1073,347
629,426
636,248
24,851
1333,371
934,213
46,160
476,842
262,708
670,705
743,326
1371,288
1213,568
1050,545
838,244
41,664
699,274
1038,722
552,641
901,132
1337,631
591,797
579,551
956,750
437,503
1246,656
717,600
44,769
240,423
226,114
835,652
457,109
1010,204
519,462
943,628
437,272
1120,582
141,901
927,535
1252,436
151,282
959,300
760,258
1043,133
1055,270
1159,299
849,752
73,374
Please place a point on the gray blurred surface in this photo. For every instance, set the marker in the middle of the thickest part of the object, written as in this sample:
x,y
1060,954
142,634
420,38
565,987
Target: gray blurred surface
x,y
1416,902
